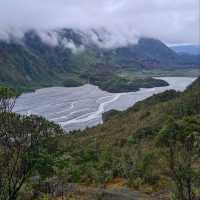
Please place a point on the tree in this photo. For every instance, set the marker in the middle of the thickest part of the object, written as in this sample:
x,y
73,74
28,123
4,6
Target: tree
x,y
7,99
180,146
24,146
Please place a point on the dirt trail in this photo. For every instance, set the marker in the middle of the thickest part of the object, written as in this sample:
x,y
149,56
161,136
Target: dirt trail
x,y
85,193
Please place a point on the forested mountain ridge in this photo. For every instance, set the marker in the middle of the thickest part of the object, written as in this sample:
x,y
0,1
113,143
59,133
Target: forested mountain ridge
x,y
65,59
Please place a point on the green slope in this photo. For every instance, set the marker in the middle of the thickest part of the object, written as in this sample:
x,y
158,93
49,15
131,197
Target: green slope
x,y
123,147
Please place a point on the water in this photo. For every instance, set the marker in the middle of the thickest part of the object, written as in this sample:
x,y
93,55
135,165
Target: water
x,y
81,107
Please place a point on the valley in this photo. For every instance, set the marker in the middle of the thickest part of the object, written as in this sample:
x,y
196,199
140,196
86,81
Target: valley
x,y
96,123
32,63
100,100
82,107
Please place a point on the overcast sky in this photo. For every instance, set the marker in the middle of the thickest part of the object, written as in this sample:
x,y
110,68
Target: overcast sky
x,y
172,21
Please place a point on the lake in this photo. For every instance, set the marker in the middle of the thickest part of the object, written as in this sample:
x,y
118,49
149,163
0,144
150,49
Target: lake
x,y
80,107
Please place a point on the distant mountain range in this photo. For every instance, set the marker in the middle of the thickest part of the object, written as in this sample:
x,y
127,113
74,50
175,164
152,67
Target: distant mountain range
x,y
68,57
187,49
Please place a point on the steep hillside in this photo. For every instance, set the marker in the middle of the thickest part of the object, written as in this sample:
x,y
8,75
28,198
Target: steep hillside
x,y
124,146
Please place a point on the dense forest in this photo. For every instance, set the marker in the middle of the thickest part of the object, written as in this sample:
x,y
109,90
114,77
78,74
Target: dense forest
x,y
152,148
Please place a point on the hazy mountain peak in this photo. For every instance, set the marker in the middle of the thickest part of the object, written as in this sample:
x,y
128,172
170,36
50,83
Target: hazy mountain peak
x,y
187,49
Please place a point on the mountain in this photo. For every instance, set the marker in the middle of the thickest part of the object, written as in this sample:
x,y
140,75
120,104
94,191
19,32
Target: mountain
x,y
187,49
71,58
152,53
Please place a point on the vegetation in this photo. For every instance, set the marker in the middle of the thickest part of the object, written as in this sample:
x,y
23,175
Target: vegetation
x,y
36,64
135,145
24,146
7,99
180,146
152,147
111,81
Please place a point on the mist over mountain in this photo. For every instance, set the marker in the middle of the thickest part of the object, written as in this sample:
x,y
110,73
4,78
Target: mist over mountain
x,y
74,57
71,38
82,63
127,20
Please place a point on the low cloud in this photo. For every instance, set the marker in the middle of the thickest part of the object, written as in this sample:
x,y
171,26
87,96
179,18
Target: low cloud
x,y
71,45
53,39
50,38
119,22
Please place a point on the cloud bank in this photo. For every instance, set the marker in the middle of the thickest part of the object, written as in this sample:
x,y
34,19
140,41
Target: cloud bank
x,y
172,21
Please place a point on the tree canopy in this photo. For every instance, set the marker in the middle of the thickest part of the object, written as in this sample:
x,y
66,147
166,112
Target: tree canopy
x,y
25,145
180,146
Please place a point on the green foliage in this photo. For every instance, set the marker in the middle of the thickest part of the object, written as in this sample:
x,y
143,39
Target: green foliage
x,y
40,65
6,92
25,146
180,146
135,145
124,146
107,78
73,82
7,98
